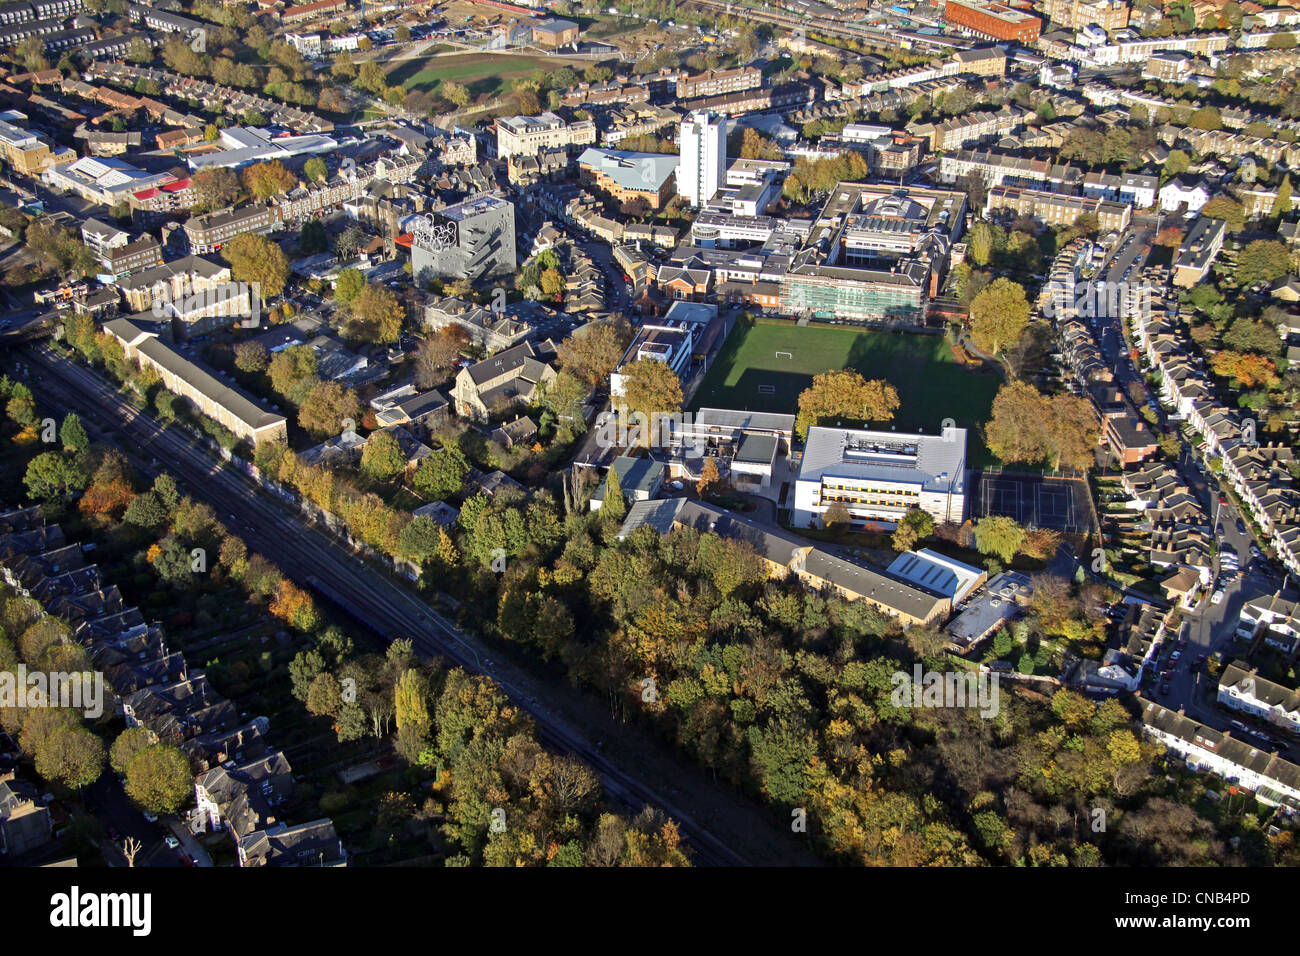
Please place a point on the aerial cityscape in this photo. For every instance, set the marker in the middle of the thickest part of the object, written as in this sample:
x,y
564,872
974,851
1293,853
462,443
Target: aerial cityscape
x,y
674,433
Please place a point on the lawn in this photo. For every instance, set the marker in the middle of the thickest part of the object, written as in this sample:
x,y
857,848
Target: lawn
x,y
489,73
931,384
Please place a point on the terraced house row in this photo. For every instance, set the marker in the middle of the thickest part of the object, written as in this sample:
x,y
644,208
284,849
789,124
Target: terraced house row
x,y
1258,473
242,780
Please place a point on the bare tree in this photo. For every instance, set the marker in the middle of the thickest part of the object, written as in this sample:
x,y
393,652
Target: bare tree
x,y
130,847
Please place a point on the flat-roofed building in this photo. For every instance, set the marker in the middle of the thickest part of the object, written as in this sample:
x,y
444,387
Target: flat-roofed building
x,y
627,176
878,476
473,239
996,21
719,82
25,151
1199,250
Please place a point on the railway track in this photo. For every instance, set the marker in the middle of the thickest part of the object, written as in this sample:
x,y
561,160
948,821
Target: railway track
x,y
304,553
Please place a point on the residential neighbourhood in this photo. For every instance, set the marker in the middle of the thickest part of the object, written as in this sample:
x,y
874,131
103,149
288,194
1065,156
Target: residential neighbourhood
x,y
475,433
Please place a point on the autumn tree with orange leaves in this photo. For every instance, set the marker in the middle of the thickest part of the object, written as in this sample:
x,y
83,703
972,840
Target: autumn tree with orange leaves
x,y
1246,369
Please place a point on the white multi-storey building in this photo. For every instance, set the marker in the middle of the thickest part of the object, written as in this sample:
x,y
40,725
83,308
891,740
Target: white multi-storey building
x,y
879,476
703,165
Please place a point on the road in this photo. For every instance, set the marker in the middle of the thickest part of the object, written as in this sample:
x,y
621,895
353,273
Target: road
x,y
636,769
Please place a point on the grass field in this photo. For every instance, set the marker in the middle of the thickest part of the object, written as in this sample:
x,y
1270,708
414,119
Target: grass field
x,y
489,73
931,384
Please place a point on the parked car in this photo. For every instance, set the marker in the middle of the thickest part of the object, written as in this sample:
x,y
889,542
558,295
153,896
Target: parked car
x,y
172,842
1217,597
1164,688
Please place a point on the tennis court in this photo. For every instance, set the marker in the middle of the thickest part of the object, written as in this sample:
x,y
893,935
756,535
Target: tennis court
x,y
1034,501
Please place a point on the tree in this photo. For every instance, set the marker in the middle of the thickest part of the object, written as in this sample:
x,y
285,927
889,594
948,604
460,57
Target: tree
x,y
916,525
349,283
73,756
411,707
327,407
377,315
255,258
1029,427
324,696
438,354
251,357
613,506
420,539
303,669
1207,118
312,238
129,743
1229,210
52,475
442,474
72,434
264,180
454,93
983,242
651,388
836,516
1072,432
1171,237
158,778
1282,203
215,188
904,538
146,511
594,352
845,394
382,458
999,315
316,170
1000,536
1264,260
709,477
1245,368
1251,335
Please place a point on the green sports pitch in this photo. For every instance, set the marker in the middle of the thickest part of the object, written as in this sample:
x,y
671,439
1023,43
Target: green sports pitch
x,y
764,367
